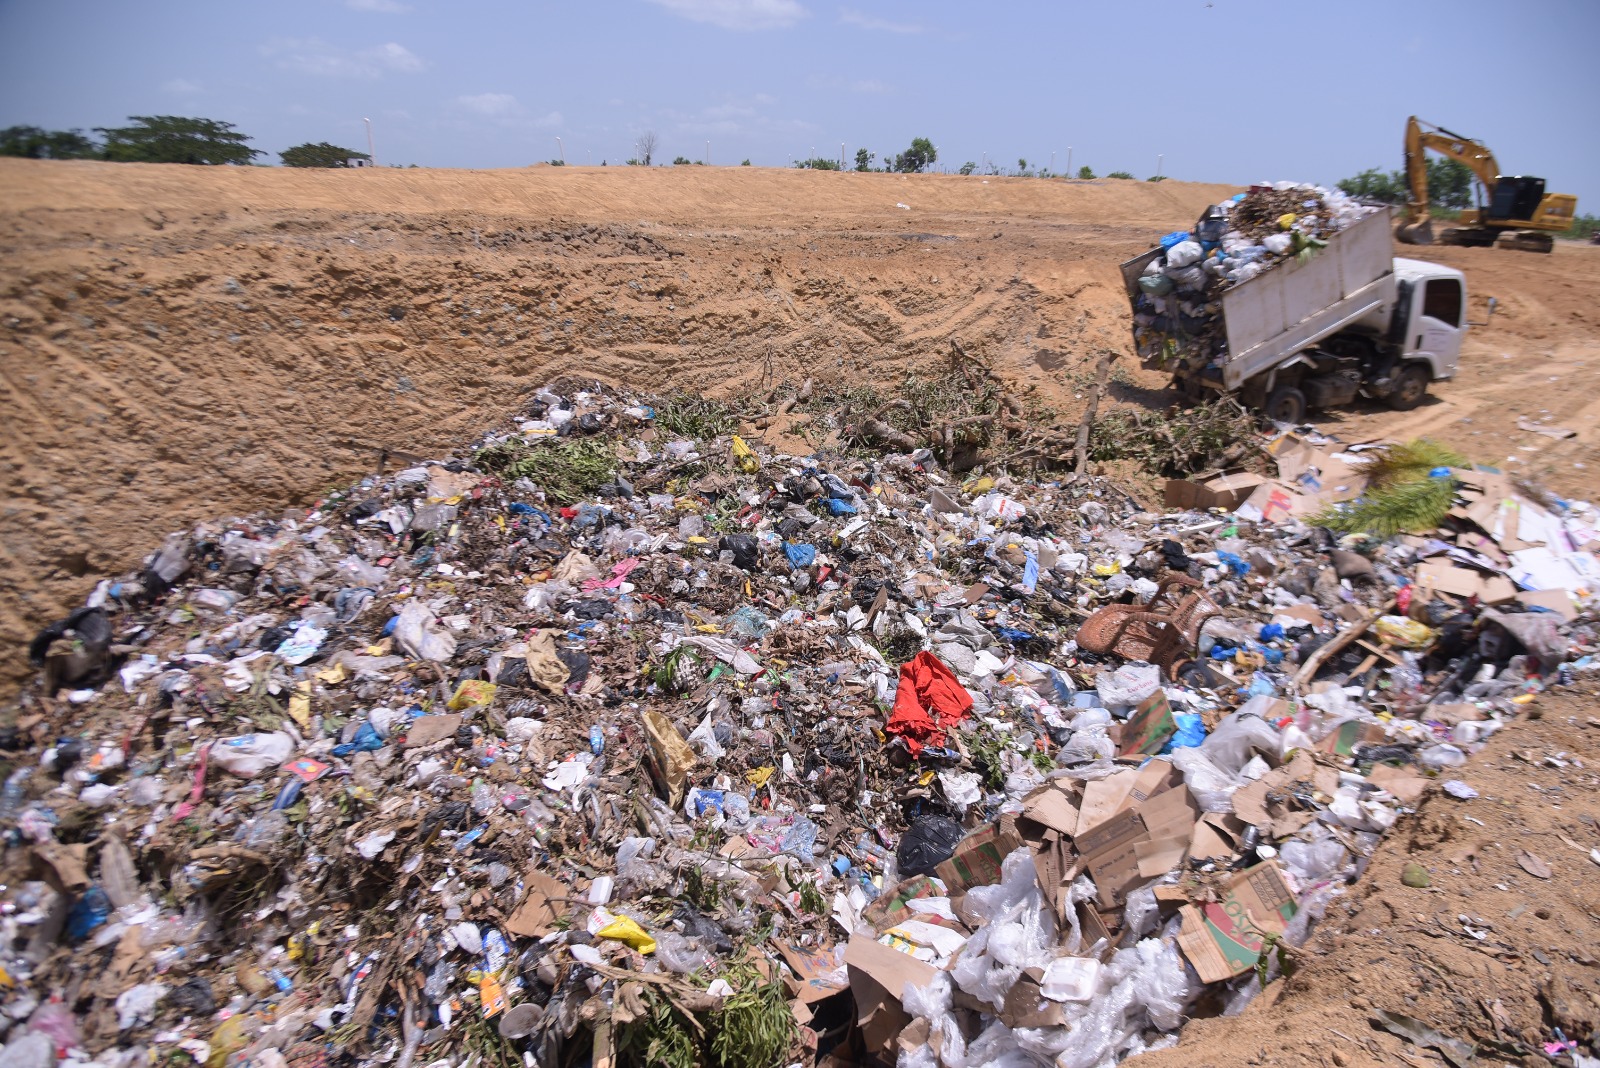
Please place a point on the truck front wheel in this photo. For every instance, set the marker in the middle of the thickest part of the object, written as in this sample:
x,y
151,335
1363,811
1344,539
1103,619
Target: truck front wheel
x,y
1410,387
1286,404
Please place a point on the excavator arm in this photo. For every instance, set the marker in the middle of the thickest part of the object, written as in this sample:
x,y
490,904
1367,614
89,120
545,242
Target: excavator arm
x,y
1421,136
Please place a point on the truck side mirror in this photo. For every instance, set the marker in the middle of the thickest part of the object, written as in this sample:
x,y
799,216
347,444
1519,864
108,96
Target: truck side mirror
x,y
1493,303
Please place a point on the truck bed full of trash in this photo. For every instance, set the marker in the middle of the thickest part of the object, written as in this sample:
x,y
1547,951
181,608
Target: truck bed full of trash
x,y
1178,313
599,744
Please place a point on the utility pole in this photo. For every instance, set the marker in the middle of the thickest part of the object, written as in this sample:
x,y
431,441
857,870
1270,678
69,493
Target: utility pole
x,y
1159,161
841,155
708,154
1069,161
1052,163
372,153
561,151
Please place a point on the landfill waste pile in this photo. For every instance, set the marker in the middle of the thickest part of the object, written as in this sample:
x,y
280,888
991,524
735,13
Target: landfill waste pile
x,y
603,744
1178,313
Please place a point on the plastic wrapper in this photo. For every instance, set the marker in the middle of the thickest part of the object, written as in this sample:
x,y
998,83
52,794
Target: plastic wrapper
x,y
1014,931
1402,632
248,755
682,955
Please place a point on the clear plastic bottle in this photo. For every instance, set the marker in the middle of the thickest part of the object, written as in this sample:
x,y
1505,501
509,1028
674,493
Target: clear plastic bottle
x,y
483,798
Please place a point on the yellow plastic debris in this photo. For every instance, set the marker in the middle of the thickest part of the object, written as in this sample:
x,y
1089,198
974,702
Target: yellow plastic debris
x,y
624,930
472,693
744,456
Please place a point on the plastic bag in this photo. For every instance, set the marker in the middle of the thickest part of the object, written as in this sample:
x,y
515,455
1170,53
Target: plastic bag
x,y
1212,787
930,841
704,740
682,955
1184,253
1236,737
248,755
419,632
1402,632
1128,685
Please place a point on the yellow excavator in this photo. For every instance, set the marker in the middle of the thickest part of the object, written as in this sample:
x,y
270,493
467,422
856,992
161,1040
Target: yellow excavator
x,y
1519,214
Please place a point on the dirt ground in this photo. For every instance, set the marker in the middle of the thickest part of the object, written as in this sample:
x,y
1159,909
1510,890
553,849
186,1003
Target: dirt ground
x,y
1498,950
178,343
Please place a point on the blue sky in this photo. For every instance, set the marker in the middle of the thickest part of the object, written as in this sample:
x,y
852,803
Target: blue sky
x,y
1226,90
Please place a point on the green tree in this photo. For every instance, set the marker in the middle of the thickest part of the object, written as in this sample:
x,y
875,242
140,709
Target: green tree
x,y
967,167
1386,187
320,154
863,160
1119,174
1449,184
1156,178
174,139
919,157
681,161
817,164
746,163
31,142
1086,172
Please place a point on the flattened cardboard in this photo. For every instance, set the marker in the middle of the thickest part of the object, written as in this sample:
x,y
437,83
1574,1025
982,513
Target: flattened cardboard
x,y
425,730
889,968
977,858
1445,577
1557,601
1223,939
811,965
889,909
1216,836
1025,1006
1054,807
541,907
1151,724
1350,735
1404,783
1160,855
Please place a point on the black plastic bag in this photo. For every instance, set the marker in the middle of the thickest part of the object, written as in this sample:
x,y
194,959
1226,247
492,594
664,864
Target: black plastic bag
x,y
930,842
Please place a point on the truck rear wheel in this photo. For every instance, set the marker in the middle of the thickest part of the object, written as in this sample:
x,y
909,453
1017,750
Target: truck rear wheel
x,y
1286,404
1410,386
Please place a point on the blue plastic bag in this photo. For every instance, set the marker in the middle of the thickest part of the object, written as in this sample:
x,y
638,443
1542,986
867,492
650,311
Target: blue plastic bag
x,y
1174,238
1191,732
800,556
839,506
365,740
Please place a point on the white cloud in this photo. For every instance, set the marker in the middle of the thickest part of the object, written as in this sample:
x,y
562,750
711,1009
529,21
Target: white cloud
x,y
873,22
314,56
490,103
378,7
181,86
738,14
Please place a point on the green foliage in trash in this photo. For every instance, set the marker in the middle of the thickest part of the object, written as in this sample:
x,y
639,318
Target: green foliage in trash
x,y
752,1028
689,415
1176,442
568,470
1401,496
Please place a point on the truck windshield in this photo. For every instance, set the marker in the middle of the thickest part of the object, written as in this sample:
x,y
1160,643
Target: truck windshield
x,y
1442,300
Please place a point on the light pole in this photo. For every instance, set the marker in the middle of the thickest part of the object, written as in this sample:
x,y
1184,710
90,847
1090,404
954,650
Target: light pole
x,y
708,154
1052,163
1159,159
561,151
372,153
1069,161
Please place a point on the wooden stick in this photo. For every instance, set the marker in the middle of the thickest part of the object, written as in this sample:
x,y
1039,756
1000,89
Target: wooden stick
x,y
1337,644
1102,372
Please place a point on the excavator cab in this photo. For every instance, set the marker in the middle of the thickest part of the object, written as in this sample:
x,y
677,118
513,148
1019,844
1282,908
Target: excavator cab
x,y
1515,199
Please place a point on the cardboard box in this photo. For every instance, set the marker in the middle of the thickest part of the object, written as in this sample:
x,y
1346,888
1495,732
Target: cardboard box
x,y
1223,939
977,858
1350,736
1151,724
1211,491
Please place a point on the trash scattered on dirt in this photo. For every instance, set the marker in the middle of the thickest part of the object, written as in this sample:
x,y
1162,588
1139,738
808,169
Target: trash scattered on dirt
x,y
606,742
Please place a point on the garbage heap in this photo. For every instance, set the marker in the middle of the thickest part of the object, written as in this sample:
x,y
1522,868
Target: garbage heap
x,y
1178,312
603,743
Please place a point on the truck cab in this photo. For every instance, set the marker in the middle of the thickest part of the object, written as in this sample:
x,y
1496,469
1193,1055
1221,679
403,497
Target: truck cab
x,y
1430,315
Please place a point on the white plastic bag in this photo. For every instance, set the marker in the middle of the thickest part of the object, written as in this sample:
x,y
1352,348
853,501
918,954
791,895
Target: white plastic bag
x,y
1128,685
248,755
1184,253
420,633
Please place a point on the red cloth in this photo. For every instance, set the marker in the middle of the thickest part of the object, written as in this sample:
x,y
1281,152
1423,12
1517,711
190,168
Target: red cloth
x,y
928,702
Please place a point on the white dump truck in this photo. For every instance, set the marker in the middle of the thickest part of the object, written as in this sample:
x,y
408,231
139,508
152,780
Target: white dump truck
x,y
1351,319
